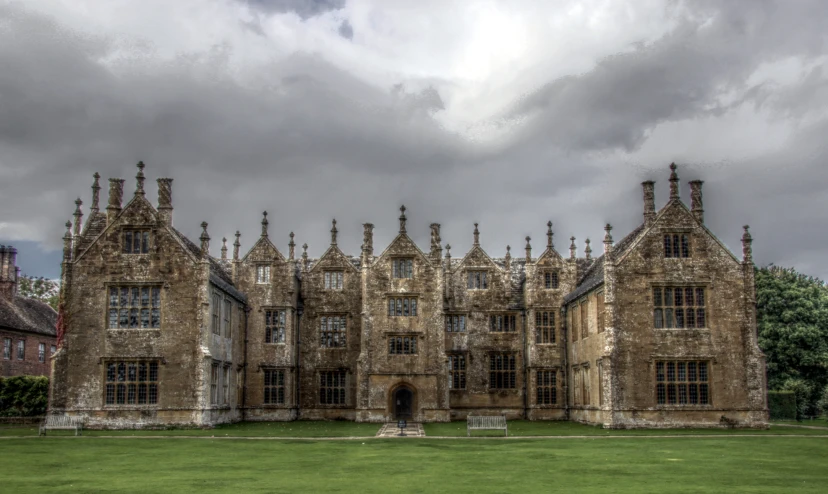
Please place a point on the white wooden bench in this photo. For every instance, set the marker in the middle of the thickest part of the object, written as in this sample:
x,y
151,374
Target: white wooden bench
x,y
486,423
53,422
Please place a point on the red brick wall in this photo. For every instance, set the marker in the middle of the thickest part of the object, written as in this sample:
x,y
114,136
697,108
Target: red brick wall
x,y
30,365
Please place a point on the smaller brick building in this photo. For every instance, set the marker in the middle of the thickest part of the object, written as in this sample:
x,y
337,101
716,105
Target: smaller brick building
x,y
27,326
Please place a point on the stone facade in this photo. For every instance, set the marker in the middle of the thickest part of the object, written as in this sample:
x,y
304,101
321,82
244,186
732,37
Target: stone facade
x,y
27,326
158,332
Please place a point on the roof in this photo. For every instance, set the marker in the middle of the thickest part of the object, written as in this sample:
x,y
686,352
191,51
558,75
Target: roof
x,y
219,270
594,274
95,224
27,314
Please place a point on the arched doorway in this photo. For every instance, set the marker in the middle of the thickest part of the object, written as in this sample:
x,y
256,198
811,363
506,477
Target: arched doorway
x,y
403,403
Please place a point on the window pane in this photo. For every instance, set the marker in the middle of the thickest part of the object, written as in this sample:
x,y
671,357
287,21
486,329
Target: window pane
x,y
128,242
659,319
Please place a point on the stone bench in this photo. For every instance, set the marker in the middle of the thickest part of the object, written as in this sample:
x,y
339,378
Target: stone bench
x,y
54,422
486,423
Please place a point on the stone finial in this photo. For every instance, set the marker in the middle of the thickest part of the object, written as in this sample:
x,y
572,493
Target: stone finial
x,y
572,248
305,257
402,219
67,242
334,231
747,240
476,236
139,189
96,192
549,234
508,257
236,246
648,188
448,251
607,239
696,206
588,250
368,239
223,248
528,249
435,240
264,224
674,182
205,239
78,214
291,248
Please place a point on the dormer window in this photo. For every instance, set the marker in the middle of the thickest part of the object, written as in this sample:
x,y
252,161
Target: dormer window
x,y
477,280
402,268
262,274
136,241
550,280
676,245
333,280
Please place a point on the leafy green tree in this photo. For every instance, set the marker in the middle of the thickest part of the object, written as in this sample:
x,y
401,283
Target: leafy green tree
x,y
792,316
39,288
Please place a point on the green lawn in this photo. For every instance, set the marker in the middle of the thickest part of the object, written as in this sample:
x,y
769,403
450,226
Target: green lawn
x,y
244,429
561,428
820,422
675,465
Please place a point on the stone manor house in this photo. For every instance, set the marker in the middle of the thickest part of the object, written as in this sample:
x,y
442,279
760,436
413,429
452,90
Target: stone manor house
x,y
658,331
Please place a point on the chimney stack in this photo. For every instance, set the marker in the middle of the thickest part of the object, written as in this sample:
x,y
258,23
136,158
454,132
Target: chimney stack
x,y
116,195
436,249
528,249
368,239
696,206
165,209
8,272
96,193
649,202
674,182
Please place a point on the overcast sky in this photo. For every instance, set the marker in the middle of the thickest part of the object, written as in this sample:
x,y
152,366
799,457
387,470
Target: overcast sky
x,y
507,113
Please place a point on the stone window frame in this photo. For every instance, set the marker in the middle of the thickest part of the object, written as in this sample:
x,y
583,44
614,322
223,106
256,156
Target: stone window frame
x,y
599,364
215,312
7,348
549,336
144,241
404,305
403,344
339,398
226,376
457,370
21,349
708,384
153,386
551,279
402,267
477,279
503,322
227,317
340,334
154,310
271,329
508,375
553,387
586,384
456,322
600,312
280,388
583,308
215,382
52,350
677,245
700,312
333,279
41,352
263,272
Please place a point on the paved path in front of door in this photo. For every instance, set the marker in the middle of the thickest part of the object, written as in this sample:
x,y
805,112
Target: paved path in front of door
x,y
414,429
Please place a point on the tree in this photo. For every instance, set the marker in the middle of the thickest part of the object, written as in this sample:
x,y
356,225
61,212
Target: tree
x,y
39,289
792,318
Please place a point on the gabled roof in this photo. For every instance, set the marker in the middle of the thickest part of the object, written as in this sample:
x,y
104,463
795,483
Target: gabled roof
x,y
333,250
266,241
397,239
477,248
27,314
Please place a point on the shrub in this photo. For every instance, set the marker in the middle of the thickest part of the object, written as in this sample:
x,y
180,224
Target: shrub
x,y
24,396
782,405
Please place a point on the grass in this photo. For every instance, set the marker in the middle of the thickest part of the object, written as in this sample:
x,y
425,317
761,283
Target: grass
x,y
561,428
820,422
243,429
676,465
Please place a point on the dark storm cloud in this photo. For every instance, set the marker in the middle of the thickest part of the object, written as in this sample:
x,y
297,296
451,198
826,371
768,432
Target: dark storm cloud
x,y
308,141
346,30
303,8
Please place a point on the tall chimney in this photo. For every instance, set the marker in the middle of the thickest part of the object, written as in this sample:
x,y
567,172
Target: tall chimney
x,y
649,202
674,182
116,195
436,248
696,206
367,239
165,209
8,272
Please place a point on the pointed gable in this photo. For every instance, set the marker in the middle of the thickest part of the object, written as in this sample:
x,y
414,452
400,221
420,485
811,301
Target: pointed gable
x,y
334,258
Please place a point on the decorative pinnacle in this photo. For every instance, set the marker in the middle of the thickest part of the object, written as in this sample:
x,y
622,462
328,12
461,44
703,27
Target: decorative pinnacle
x,y
747,239
588,250
608,235
528,249
333,232
68,229
291,248
264,224
236,246
508,252
448,251
223,248
476,235
305,251
78,203
674,182
572,248
96,192
549,235
140,177
402,219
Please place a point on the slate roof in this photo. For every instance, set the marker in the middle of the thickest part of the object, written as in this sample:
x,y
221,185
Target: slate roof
x,y
95,224
594,274
26,314
219,273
